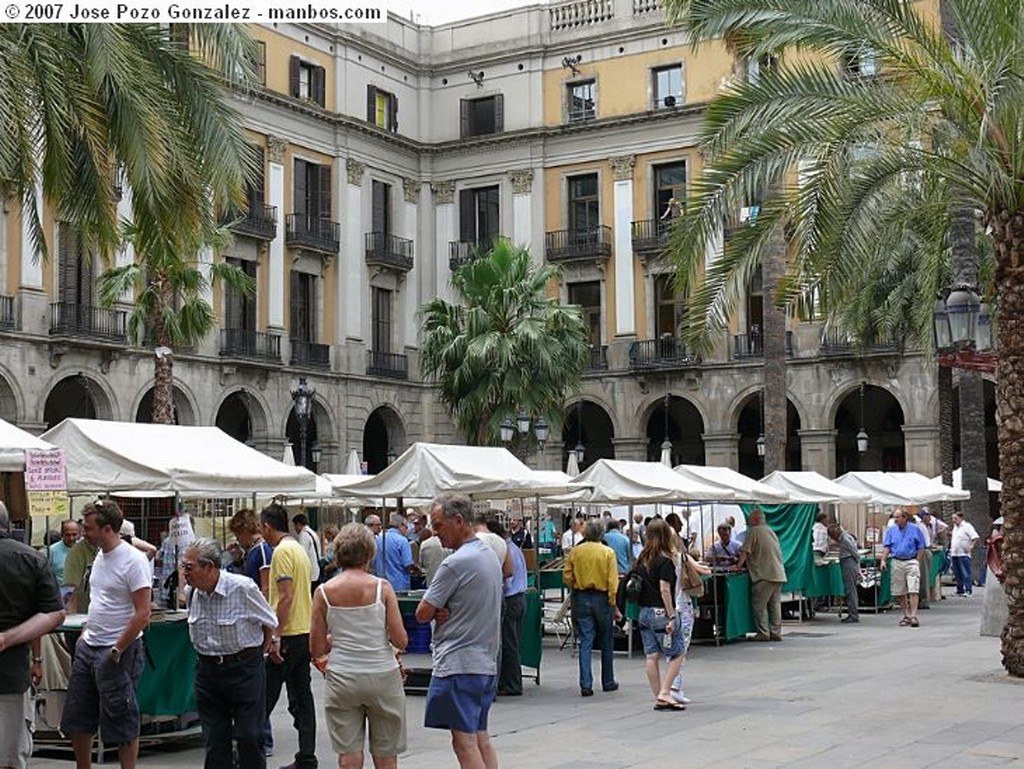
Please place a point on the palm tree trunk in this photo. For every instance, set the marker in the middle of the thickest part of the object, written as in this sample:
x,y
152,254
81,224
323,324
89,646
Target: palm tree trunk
x,y
945,384
163,390
774,341
1008,237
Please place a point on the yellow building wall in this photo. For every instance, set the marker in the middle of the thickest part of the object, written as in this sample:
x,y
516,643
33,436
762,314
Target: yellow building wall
x,y
13,247
624,84
280,49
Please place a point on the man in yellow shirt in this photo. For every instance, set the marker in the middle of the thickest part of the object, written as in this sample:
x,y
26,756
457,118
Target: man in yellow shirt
x,y
291,600
590,570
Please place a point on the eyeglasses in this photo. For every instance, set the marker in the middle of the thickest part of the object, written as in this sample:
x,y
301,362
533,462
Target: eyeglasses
x,y
188,566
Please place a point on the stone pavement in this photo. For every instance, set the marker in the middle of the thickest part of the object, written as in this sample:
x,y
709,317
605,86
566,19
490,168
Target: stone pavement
x,y
830,696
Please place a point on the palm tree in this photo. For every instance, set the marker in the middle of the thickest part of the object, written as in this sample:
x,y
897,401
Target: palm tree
x,y
507,347
942,114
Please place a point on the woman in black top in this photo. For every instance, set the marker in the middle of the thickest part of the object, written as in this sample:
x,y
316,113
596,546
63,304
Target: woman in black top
x,y
659,621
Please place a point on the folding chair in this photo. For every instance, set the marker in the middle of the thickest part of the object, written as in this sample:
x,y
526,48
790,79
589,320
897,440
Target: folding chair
x,y
561,623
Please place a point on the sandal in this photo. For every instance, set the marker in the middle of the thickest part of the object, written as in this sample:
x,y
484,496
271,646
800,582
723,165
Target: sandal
x,y
662,705
905,621
914,622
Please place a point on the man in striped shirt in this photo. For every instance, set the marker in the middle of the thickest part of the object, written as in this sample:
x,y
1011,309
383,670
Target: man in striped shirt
x,y
231,625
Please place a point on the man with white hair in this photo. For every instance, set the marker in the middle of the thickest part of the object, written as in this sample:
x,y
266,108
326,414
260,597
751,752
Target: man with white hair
x,y
761,553
30,607
394,554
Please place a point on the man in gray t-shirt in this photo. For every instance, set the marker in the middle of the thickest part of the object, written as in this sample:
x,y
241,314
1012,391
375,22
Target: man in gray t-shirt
x,y
464,602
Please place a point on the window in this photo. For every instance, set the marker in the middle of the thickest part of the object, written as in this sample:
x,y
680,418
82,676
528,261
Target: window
x,y
668,86
479,215
74,268
584,211
381,207
757,67
303,307
755,312
311,188
582,101
239,307
480,117
381,321
381,109
669,183
256,190
307,81
588,297
259,62
669,311
860,63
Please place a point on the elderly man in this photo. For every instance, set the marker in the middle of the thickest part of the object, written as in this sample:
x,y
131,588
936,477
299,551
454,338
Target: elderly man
x,y
30,607
849,560
938,531
394,554
464,600
726,551
619,543
231,625
903,542
109,656
59,550
962,542
762,555
592,573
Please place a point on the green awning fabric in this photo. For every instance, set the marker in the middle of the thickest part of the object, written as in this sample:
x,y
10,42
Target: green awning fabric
x,y
792,524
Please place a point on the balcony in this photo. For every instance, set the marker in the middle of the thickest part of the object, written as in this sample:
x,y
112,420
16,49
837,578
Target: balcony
x,y
387,364
310,354
582,114
7,320
389,251
312,232
836,343
650,236
666,352
583,243
463,252
748,346
80,321
598,360
578,15
250,345
258,221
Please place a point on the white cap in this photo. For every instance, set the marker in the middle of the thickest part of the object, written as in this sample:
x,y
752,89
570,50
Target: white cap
x,y
127,528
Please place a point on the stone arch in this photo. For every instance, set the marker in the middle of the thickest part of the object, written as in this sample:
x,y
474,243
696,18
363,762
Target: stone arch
x,y
588,422
185,409
77,395
686,425
882,416
841,393
600,402
991,427
384,430
242,414
747,421
10,398
320,430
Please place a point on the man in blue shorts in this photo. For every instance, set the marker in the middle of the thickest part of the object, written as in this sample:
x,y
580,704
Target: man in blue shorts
x,y
464,601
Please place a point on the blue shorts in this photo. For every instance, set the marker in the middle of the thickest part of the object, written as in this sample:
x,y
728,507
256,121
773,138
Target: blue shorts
x,y
101,693
460,703
651,618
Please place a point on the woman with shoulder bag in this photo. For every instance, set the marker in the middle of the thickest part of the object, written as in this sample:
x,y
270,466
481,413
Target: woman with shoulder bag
x,y
660,628
690,586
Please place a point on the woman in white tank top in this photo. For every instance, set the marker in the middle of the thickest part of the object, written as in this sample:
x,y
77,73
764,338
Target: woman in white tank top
x,y
358,657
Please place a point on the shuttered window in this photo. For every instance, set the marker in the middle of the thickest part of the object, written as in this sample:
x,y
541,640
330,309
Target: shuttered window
x,y
381,320
307,81
480,117
381,207
311,189
239,308
303,307
74,268
479,214
382,109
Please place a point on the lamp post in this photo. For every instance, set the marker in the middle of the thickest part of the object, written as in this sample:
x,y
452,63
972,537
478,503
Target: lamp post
x,y
302,397
317,452
509,430
760,416
391,456
862,436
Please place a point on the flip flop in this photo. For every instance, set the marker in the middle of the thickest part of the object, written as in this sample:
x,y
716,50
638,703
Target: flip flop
x,y
914,622
660,705
905,621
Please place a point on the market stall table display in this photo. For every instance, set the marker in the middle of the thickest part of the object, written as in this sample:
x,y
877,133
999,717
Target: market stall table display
x,y
723,612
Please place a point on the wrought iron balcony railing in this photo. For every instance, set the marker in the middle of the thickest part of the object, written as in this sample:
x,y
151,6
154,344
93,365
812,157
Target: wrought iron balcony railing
x,y
463,252
7,320
746,346
386,250
387,364
660,353
650,235
312,232
583,243
598,360
70,319
310,354
835,343
258,221
250,345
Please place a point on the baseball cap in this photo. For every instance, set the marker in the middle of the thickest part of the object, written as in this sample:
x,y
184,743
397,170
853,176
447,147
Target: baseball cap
x,y
127,529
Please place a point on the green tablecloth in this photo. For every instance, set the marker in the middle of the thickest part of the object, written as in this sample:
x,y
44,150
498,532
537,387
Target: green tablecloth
x,y
551,579
167,686
732,611
826,580
883,596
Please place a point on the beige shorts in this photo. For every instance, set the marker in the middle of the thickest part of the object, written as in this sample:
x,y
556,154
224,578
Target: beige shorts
x,y
353,700
906,576
16,723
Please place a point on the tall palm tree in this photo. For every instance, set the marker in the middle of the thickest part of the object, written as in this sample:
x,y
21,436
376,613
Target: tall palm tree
x,y
506,347
942,113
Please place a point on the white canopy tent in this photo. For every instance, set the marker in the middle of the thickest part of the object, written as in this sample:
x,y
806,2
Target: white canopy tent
x,y
900,488
620,481
131,459
743,489
994,486
13,443
809,487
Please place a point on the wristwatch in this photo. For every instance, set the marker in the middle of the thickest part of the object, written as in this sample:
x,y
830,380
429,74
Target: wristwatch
x,y
37,660
115,654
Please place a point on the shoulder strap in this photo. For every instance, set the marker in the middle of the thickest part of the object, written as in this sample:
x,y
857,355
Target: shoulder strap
x,y
323,592
379,589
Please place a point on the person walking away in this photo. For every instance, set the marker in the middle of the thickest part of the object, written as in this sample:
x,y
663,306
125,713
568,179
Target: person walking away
x,y
30,607
355,635
591,572
660,628
849,562
464,602
288,662
619,543
394,554
230,624
432,552
109,656
902,542
310,541
939,540
761,553
689,585
510,665
962,542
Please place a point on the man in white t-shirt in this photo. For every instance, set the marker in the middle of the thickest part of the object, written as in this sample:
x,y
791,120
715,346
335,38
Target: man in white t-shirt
x,y
961,543
109,655
572,536
496,543
310,541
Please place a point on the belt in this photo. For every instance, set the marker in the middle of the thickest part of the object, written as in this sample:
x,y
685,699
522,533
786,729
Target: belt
x,y
591,590
225,659
911,558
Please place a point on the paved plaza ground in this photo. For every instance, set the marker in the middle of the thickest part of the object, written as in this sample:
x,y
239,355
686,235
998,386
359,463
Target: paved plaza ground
x,y
830,696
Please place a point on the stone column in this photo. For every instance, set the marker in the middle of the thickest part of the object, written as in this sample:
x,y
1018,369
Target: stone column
x,y
630,448
625,313
276,147
522,201
410,227
353,262
722,450
921,445
818,451
444,233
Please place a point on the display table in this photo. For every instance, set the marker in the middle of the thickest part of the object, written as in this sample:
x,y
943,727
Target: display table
x,y
826,581
723,612
878,594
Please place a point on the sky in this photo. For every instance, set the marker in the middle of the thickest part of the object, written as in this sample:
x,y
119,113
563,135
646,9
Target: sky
x,y
436,12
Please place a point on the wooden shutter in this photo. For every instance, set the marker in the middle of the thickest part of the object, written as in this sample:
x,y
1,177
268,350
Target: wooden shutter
x,y
467,215
325,192
249,300
318,85
380,207
66,267
299,190
394,113
499,114
371,104
294,65
294,305
232,299
259,182
465,123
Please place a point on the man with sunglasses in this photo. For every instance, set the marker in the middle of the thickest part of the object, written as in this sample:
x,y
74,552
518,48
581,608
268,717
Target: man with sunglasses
x,y
231,625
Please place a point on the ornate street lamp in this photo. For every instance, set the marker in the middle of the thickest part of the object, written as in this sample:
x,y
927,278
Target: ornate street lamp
x,y
391,456
302,397
862,436
317,452
506,430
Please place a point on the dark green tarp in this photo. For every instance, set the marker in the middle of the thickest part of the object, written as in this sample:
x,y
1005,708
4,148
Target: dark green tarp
x,y
792,524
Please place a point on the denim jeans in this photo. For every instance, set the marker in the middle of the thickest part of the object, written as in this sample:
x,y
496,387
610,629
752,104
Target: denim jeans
x,y
230,702
593,614
962,571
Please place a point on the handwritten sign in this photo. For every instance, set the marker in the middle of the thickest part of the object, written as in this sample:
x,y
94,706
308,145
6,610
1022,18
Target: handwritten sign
x,y
45,470
180,531
52,504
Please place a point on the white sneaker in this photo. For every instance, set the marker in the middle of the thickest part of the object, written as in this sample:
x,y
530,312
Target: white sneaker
x,y
678,696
